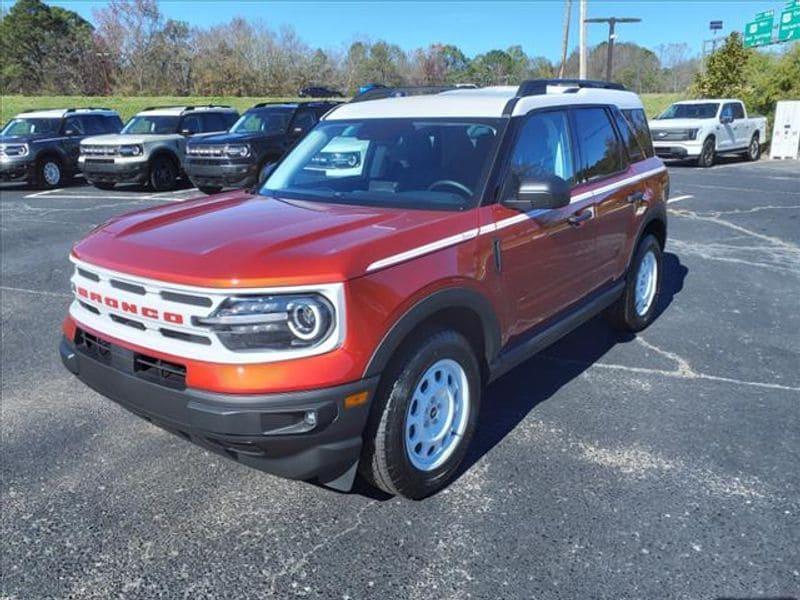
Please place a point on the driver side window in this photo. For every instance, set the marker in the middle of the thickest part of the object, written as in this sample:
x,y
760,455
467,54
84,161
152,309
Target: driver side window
x,y
542,150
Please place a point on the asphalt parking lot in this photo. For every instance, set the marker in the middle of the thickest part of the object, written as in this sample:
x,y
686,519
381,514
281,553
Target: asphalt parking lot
x,y
658,466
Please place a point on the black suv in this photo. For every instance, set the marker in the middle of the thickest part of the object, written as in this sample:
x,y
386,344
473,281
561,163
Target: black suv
x,y
259,138
42,146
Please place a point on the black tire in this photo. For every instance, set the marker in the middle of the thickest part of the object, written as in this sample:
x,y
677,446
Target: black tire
x,y
49,173
623,314
384,462
209,189
707,154
104,185
163,175
753,149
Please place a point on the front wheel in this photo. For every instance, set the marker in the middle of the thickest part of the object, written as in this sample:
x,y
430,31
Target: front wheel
x,y
49,173
163,175
707,154
424,418
636,308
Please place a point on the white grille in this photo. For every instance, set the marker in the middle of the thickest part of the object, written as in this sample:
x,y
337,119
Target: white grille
x,y
159,316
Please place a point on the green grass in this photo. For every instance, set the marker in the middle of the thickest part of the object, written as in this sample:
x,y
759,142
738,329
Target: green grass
x,y
130,105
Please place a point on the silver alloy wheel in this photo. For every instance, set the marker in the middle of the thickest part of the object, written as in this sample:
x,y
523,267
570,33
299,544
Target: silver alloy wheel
x,y
754,148
52,173
646,283
437,415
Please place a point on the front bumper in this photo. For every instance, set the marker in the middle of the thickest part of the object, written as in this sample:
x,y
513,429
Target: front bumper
x,y
270,432
15,169
114,170
677,149
205,172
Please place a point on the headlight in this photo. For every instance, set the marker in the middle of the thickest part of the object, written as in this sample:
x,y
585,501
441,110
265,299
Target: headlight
x,y
130,150
272,322
237,150
15,149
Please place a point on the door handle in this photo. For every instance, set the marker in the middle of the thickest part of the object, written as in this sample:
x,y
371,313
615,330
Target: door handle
x,y
580,217
637,196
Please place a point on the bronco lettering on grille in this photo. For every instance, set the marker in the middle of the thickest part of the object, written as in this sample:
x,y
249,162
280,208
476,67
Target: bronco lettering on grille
x,y
130,308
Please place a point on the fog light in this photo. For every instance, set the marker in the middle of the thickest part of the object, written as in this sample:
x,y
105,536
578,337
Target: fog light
x,y
310,418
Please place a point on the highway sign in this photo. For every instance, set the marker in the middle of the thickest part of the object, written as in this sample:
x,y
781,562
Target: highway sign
x,y
789,29
758,33
793,4
767,14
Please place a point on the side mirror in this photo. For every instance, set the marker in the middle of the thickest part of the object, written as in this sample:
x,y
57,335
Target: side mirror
x,y
725,119
540,193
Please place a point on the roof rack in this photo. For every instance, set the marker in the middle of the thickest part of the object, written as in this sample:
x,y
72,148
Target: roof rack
x,y
87,108
209,106
167,106
395,92
537,87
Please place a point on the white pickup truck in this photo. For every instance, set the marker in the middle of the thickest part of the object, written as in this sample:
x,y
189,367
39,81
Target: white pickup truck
x,y
702,129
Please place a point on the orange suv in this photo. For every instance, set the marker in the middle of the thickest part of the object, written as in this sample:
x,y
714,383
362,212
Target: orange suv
x,y
410,249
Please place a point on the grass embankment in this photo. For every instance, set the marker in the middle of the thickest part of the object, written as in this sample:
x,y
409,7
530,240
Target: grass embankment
x,y
127,106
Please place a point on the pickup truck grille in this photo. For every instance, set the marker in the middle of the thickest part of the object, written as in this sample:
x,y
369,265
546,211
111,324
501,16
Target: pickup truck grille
x,y
91,150
664,135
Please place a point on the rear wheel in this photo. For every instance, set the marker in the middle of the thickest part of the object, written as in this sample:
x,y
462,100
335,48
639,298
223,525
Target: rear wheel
x,y
163,174
209,189
424,417
49,172
636,308
707,154
754,149
104,185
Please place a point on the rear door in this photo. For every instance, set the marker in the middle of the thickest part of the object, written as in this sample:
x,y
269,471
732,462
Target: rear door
x,y
727,131
741,126
74,130
605,142
546,256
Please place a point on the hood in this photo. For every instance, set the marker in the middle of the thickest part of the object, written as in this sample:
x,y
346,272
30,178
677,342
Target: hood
x,y
230,138
677,123
241,240
118,139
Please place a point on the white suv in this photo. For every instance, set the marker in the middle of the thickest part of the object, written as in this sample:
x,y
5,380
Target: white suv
x,y
150,148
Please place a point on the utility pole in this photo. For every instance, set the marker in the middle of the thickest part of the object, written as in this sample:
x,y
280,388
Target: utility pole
x,y
612,22
582,39
565,38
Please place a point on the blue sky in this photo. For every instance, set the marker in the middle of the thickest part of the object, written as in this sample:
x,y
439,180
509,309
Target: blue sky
x,y
473,26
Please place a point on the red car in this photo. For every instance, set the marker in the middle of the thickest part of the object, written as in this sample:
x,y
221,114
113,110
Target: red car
x,y
406,252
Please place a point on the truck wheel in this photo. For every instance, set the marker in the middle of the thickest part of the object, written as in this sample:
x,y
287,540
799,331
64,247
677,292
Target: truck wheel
x,y
49,172
104,185
209,189
707,154
754,149
163,175
424,416
636,308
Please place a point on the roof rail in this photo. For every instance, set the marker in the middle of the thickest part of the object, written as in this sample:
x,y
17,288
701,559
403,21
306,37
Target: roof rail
x,y
209,106
537,87
395,92
167,106
87,108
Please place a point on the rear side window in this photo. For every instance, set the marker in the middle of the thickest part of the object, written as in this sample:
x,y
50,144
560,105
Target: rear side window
x,y
213,122
542,149
601,149
635,152
305,119
112,124
76,125
638,121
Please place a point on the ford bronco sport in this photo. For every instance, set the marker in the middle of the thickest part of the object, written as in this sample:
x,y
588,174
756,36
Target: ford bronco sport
x,y
240,157
329,325
150,148
41,146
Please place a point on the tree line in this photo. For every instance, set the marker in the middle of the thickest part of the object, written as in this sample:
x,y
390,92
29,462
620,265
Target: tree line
x,y
134,50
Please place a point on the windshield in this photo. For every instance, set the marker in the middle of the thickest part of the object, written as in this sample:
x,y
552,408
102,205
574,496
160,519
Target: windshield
x,y
31,126
268,120
151,124
406,163
702,110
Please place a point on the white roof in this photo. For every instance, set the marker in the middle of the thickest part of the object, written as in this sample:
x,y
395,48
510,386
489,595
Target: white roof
x,y
176,111
482,102
707,101
58,113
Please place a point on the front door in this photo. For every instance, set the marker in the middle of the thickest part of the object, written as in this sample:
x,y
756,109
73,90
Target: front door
x,y
546,257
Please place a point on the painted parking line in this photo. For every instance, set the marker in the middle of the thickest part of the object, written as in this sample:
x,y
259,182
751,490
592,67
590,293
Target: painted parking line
x,y
679,198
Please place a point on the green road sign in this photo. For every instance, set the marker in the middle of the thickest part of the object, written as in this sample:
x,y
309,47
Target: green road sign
x,y
767,14
792,4
789,28
758,33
